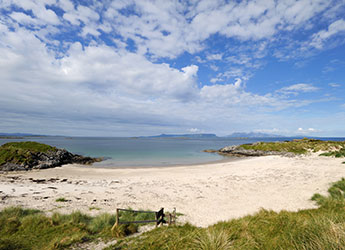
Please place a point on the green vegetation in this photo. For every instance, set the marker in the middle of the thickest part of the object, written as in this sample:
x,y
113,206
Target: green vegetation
x,y
94,208
31,229
338,153
301,146
322,228
21,152
61,199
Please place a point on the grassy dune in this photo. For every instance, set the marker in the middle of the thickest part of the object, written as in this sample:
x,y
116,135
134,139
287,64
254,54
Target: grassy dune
x,y
31,229
322,228
21,152
301,146
338,153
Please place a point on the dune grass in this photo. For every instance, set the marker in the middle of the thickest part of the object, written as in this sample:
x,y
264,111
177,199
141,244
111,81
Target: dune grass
x,y
337,153
300,146
61,199
321,228
21,152
31,229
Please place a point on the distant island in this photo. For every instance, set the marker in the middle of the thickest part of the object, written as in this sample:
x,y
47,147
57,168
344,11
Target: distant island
x,y
14,135
181,136
253,135
233,135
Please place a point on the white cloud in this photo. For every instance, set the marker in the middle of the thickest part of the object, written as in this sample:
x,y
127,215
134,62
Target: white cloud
x,y
23,18
308,130
170,28
214,56
199,60
334,85
66,5
214,67
164,31
233,73
39,10
214,80
194,130
320,37
298,88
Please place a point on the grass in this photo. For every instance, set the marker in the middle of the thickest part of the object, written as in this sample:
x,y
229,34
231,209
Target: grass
x,y
301,146
21,152
94,208
338,153
321,228
61,199
31,229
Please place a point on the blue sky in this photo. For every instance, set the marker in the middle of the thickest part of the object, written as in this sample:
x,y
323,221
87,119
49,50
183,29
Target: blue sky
x,y
127,68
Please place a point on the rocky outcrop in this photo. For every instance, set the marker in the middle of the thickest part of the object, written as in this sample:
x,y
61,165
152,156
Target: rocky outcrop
x,y
50,159
241,152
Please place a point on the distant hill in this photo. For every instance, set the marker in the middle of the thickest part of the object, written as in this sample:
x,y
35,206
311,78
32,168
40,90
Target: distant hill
x,y
18,134
182,136
253,135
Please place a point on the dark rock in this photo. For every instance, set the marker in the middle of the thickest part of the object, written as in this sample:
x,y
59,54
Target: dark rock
x,y
239,151
11,167
39,180
4,197
49,159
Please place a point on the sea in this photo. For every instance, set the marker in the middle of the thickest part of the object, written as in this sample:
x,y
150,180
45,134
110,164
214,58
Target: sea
x,y
145,152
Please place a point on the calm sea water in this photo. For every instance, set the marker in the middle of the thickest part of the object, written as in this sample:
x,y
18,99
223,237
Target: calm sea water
x,y
145,151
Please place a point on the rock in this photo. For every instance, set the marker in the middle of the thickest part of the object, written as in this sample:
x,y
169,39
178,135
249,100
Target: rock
x,y
48,159
239,151
11,167
39,180
4,197
210,151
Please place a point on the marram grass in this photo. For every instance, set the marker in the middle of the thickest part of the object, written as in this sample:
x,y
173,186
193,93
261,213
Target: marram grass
x,y
31,229
321,228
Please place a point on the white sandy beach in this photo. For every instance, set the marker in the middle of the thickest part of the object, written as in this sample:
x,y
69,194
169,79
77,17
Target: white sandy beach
x,y
205,194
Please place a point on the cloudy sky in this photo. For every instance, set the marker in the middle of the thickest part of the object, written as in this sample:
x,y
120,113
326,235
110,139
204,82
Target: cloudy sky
x,y
126,68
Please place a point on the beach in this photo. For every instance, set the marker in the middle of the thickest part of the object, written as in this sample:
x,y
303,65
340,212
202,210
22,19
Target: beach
x,y
204,194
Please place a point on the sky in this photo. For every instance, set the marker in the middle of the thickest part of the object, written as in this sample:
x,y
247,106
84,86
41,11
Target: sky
x,y
138,67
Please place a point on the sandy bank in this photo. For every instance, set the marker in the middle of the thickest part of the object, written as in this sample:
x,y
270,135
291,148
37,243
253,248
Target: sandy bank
x,y
204,193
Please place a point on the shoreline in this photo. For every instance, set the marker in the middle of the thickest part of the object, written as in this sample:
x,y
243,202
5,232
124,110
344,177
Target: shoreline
x,y
224,160
204,193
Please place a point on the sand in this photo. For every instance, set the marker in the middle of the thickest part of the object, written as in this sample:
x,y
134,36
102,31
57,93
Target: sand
x,y
204,194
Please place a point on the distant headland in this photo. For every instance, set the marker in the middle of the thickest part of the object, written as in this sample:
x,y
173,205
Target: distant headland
x,y
181,136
